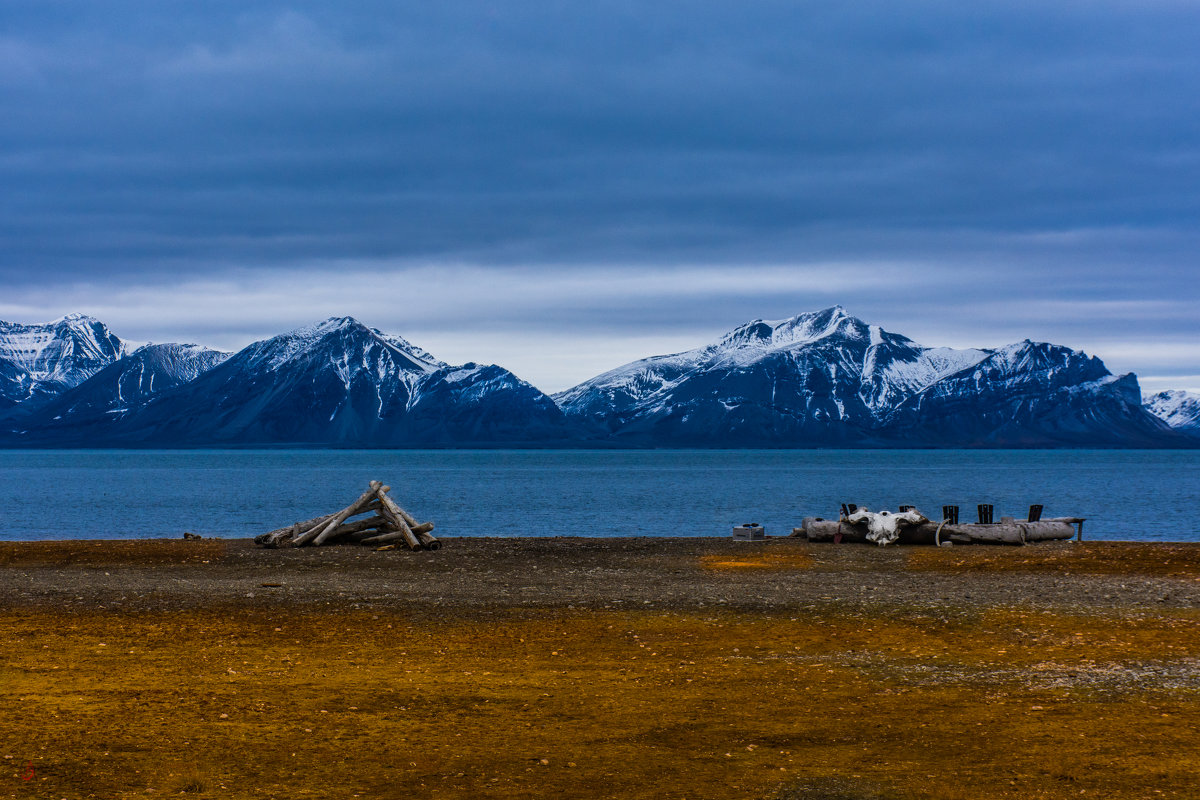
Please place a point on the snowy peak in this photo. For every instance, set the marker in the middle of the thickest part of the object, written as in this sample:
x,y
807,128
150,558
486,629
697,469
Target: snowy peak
x,y
74,317
55,349
333,326
183,362
1178,408
830,340
1039,356
796,331
344,341
40,361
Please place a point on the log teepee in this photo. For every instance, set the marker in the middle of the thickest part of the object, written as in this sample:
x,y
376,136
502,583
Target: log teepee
x,y
388,523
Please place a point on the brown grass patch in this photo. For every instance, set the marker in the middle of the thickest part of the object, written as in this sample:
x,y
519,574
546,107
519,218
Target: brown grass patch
x,y
111,552
1078,558
244,702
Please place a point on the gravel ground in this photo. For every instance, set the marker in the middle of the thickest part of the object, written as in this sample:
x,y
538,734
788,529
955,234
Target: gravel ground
x,y
670,573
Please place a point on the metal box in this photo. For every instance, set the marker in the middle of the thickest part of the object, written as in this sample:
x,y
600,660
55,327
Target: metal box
x,y
749,532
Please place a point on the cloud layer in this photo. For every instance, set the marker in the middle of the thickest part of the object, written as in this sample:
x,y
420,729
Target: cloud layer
x,y
610,171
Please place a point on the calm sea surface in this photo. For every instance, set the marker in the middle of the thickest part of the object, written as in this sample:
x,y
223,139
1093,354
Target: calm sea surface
x,y
1148,494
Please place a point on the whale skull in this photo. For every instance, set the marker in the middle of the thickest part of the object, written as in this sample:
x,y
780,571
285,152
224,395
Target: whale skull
x,y
883,527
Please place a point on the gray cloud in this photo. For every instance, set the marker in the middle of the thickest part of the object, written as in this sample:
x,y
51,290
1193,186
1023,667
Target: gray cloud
x,y
989,154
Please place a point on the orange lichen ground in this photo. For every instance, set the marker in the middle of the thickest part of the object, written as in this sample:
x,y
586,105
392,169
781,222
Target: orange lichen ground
x,y
775,561
560,703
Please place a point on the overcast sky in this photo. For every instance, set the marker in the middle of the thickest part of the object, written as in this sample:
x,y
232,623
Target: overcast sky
x,y
561,187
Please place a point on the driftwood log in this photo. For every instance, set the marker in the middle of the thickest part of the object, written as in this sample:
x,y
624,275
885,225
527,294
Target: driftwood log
x,y
319,533
388,523
392,512
300,527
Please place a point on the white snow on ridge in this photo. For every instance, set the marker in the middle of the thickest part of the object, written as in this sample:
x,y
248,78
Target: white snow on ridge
x,y
184,361
464,373
892,367
745,344
639,379
740,348
468,388
1176,407
67,350
300,342
931,366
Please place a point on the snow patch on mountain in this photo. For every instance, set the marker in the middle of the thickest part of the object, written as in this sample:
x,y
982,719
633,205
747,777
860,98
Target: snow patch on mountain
x,y
155,367
1178,408
278,351
58,350
40,361
129,382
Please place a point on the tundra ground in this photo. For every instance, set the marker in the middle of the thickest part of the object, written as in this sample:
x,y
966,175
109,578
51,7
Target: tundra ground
x,y
595,668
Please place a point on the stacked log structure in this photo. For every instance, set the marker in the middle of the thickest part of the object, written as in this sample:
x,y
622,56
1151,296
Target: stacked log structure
x,y
387,524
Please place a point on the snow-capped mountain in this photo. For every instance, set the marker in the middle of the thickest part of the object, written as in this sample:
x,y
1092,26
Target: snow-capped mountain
x,y
827,378
1177,408
123,386
1029,394
39,362
335,383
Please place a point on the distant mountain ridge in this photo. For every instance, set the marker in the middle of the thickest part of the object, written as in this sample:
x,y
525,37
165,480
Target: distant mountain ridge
x,y
819,379
829,379
335,383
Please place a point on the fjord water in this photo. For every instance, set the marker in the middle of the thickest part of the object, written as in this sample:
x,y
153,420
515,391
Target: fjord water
x,y
79,494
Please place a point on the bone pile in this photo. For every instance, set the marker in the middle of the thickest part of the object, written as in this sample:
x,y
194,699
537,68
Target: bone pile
x,y
388,524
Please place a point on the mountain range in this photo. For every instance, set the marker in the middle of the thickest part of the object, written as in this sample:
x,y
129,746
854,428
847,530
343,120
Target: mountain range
x,y
819,379
336,383
827,378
